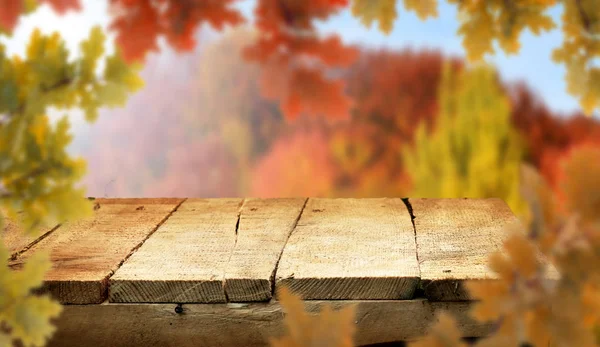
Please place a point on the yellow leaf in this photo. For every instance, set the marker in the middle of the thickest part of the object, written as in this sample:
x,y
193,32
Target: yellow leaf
x,y
455,159
522,253
39,130
423,8
30,317
582,183
329,328
369,11
444,333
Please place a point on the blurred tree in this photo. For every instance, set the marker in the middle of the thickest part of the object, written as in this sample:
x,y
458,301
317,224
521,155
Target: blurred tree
x,y
232,104
299,164
212,92
137,138
37,177
295,60
393,92
473,151
579,163
396,91
204,168
547,135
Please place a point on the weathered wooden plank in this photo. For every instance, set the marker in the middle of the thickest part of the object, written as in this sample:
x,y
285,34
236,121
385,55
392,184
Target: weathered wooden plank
x,y
351,249
185,259
85,253
264,227
454,240
17,241
250,324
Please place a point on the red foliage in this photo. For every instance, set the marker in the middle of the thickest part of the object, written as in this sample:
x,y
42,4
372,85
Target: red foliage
x,y
295,59
548,136
590,149
10,10
397,90
62,6
139,23
298,165
542,130
9,15
393,92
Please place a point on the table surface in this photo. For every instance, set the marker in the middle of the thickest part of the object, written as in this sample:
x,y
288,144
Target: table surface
x,y
242,250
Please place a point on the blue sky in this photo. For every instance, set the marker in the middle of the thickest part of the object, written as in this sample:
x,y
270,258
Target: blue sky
x,y
532,64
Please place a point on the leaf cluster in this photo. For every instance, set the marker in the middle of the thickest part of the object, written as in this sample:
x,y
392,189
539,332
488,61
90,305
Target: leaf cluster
x,y
37,176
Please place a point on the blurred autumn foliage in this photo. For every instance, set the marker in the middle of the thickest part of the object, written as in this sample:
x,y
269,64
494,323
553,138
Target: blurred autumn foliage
x,y
254,87
280,110
297,165
474,151
215,91
548,136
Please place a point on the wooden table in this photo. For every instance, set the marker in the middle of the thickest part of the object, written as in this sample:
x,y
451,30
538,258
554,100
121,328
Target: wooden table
x,y
203,272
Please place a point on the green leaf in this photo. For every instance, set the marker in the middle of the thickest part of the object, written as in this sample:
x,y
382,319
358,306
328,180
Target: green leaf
x,y
91,49
9,100
120,72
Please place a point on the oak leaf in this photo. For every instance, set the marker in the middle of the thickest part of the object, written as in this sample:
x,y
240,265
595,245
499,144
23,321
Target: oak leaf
x,y
329,328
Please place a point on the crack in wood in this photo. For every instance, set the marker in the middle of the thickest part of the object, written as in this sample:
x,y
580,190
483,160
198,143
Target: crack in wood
x,y
274,273
237,227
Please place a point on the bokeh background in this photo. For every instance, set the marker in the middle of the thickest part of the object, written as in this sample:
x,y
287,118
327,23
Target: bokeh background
x,y
202,128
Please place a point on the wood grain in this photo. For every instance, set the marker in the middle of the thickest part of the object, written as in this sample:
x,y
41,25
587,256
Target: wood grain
x,y
86,252
185,259
454,239
249,324
351,249
16,241
264,227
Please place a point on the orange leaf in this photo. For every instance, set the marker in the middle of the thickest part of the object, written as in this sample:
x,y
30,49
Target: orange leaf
x,y
329,328
62,6
311,93
137,29
295,59
444,333
139,23
184,18
9,15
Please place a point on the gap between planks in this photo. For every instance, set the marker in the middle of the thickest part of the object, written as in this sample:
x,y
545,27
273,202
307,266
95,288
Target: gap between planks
x,y
351,249
455,238
147,237
257,286
434,287
32,243
86,251
223,250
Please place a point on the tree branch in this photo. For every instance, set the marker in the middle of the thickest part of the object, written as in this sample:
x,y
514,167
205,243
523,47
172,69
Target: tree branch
x,y
61,83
